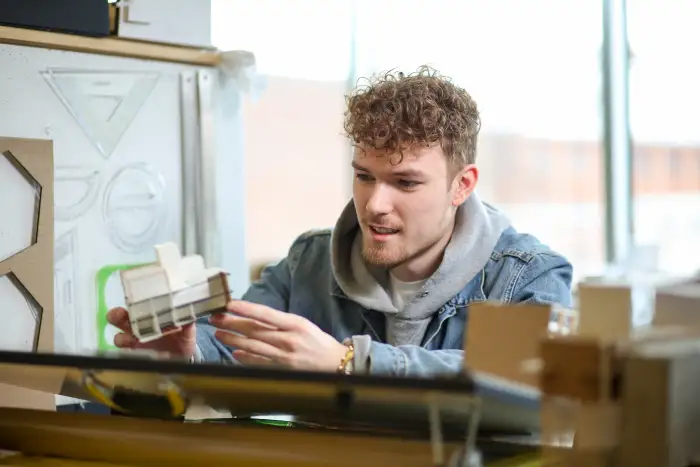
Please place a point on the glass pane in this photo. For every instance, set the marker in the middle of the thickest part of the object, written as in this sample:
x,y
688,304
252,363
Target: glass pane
x,y
664,101
534,69
300,39
297,171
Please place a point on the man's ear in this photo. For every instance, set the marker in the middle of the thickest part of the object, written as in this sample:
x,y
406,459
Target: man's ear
x,y
464,184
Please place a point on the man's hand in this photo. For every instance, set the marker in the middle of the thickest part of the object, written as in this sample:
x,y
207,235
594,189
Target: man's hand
x,y
180,343
271,337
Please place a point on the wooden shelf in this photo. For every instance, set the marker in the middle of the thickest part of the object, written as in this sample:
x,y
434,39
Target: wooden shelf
x,y
108,46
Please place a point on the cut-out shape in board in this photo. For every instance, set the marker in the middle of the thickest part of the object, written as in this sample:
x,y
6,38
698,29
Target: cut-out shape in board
x,y
20,314
26,277
104,103
77,189
133,208
20,196
66,329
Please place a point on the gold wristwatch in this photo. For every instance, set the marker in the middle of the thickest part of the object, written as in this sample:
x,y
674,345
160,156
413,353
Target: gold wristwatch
x,y
345,366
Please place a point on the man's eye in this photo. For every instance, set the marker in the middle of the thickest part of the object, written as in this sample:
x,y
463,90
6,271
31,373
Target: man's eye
x,y
363,177
408,183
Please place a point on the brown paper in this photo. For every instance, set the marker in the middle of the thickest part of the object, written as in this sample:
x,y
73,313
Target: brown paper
x,y
33,268
501,339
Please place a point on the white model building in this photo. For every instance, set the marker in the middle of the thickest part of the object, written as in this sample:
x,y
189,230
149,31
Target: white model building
x,y
173,291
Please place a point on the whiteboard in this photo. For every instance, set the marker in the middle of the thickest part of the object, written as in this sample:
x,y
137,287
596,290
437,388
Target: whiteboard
x,y
115,124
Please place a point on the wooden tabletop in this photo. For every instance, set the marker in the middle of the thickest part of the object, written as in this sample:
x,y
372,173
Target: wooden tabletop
x,y
109,46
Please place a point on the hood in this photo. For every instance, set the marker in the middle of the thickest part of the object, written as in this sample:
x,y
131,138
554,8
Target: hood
x,y
478,227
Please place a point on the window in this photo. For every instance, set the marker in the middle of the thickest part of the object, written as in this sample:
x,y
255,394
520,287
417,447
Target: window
x,y
303,39
537,83
535,70
664,98
675,163
297,162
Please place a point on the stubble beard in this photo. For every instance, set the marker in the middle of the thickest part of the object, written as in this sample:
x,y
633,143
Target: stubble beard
x,y
391,256
384,255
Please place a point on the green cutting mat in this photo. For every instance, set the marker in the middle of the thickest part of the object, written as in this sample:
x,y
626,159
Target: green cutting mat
x,y
103,276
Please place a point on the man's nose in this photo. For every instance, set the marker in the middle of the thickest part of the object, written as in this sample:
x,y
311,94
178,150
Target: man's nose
x,y
379,201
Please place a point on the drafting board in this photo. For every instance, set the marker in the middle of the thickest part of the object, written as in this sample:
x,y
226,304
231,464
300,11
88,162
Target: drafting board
x,y
386,402
116,128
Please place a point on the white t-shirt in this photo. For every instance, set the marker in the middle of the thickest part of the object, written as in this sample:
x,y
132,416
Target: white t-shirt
x,y
403,292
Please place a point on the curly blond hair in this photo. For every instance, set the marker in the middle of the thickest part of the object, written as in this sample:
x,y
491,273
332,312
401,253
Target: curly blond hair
x,y
394,112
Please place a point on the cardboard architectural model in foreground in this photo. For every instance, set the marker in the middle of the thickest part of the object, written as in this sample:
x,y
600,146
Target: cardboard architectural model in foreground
x,y
619,387
163,296
633,391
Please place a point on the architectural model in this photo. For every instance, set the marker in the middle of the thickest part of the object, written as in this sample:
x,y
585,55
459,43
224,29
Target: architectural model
x,y
620,387
163,296
624,387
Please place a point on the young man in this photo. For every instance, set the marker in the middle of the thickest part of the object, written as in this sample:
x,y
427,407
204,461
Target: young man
x,y
388,290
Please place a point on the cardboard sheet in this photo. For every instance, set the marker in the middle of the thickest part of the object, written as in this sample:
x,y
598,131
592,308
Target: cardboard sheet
x,y
502,338
33,269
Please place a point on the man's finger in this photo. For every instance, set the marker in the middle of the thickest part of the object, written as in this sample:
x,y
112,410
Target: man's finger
x,y
263,314
125,341
260,348
252,359
120,318
245,326
254,330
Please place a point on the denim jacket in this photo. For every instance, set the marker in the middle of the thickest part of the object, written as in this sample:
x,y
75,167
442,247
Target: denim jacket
x,y
520,270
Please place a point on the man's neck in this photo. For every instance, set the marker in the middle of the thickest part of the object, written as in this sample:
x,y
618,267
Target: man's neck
x,y
425,264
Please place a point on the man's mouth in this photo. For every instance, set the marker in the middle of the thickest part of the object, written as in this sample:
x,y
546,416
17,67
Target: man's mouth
x,y
382,230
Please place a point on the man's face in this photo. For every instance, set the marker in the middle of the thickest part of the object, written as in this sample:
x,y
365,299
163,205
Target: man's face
x,y
405,209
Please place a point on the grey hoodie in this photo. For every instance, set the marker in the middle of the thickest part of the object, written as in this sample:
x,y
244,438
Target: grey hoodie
x,y
478,227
